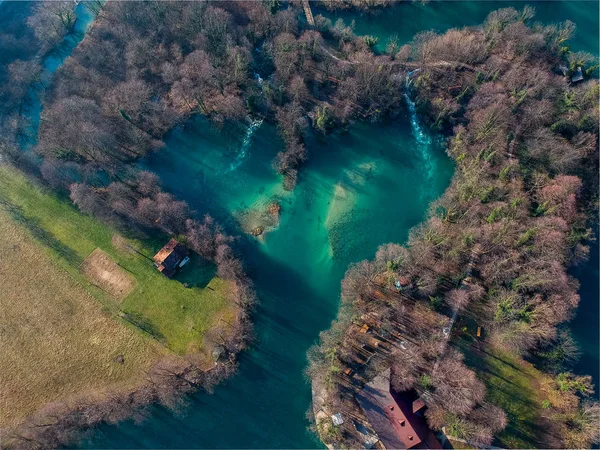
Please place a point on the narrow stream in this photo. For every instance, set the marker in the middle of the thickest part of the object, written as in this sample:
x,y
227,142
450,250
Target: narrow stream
x,y
52,62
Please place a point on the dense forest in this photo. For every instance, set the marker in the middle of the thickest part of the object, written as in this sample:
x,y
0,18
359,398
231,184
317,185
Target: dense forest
x,y
144,68
496,247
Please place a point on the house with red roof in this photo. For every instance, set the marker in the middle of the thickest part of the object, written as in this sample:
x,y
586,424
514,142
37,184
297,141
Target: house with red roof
x,y
396,417
171,257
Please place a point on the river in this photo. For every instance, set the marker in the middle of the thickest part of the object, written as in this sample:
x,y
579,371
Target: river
x,y
357,191
50,64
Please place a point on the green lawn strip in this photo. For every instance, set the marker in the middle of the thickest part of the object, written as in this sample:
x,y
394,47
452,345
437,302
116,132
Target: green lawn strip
x,y
166,309
182,315
512,384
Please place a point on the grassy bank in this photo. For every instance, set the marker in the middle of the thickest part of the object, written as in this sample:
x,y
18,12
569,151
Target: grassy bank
x,y
514,385
174,315
56,340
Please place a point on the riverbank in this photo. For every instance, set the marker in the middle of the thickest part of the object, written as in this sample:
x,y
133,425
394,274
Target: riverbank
x,y
401,21
156,327
465,263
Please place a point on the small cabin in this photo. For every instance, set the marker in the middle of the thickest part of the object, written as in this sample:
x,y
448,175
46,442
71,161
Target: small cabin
x,y
171,257
402,283
563,69
577,76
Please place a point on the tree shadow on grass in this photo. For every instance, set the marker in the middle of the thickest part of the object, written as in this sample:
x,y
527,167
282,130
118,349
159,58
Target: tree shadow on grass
x,y
197,272
40,234
503,361
144,324
508,387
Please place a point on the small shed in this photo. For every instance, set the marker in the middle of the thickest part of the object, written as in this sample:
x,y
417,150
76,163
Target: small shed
x,y
337,419
577,76
402,283
171,257
563,69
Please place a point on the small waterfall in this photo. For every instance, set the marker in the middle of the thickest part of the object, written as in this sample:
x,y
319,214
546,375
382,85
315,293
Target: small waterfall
x,y
243,152
258,79
424,140
254,125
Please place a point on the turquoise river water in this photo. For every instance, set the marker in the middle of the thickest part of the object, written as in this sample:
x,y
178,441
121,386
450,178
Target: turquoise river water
x,y
357,191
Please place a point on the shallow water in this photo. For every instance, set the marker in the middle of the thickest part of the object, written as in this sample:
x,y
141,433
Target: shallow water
x,y
357,191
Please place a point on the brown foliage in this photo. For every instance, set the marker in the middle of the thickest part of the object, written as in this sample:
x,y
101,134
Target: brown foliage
x,y
457,388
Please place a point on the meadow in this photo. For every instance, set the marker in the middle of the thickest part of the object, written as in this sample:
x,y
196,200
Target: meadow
x,y
62,334
57,342
512,384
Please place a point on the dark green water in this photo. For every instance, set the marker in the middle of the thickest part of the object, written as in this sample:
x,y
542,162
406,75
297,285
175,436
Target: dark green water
x,y
359,190
409,18
586,325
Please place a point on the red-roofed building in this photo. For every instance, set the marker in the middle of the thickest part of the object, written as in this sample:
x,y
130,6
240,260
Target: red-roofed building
x,y
396,417
171,257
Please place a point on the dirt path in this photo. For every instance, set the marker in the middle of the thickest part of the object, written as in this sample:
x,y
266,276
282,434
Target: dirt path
x,y
410,65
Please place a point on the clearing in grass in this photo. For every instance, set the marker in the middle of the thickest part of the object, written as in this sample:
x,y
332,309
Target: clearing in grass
x,y
106,274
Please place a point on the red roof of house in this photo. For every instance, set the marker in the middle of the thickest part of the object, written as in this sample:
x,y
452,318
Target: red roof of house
x,y
404,281
168,257
164,252
391,415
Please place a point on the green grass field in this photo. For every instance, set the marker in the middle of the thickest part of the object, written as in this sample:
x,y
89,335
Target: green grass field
x,y
513,385
175,315
57,342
